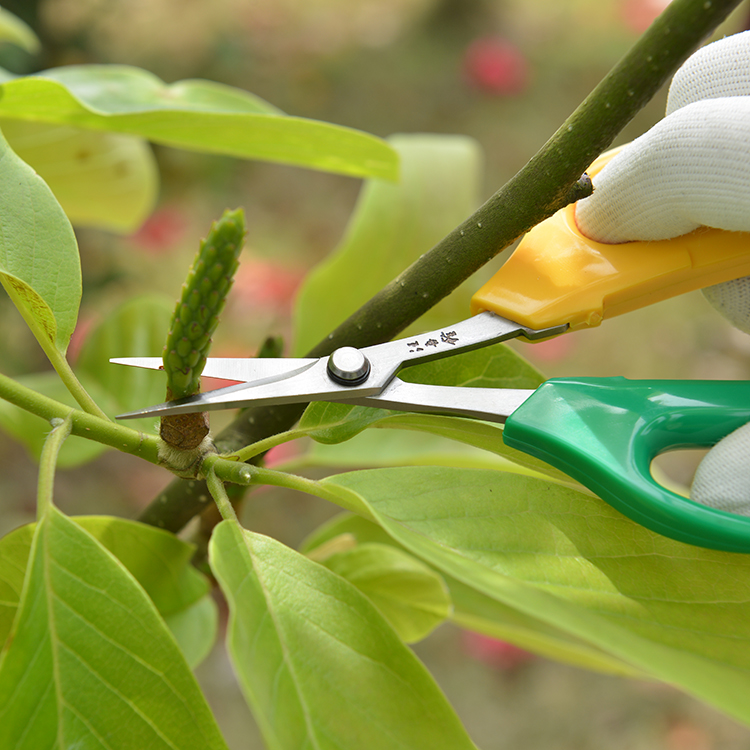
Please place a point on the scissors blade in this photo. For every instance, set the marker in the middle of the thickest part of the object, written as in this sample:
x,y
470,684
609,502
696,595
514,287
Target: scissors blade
x,y
308,383
489,404
314,382
241,369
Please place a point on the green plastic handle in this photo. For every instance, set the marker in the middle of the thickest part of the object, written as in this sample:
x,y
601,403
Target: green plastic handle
x,y
605,432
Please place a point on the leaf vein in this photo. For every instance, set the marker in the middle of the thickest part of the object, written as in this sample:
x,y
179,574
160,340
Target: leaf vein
x,y
123,699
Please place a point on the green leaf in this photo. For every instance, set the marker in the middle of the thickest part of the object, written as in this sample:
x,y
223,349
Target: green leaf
x,y
392,226
101,179
318,664
14,556
331,423
483,435
158,560
344,525
410,595
496,366
478,612
400,447
39,264
483,614
676,612
14,30
195,629
194,115
90,663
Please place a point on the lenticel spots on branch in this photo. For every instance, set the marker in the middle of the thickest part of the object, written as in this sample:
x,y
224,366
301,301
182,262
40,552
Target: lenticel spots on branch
x,y
197,314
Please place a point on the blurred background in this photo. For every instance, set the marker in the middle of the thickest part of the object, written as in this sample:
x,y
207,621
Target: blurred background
x,y
507,73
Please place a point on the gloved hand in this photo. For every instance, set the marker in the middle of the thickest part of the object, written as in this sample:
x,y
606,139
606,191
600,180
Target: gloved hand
x,y
692,169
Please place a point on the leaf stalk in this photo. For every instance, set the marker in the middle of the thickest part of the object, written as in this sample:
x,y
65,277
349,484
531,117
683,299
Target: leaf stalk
x,y
48,463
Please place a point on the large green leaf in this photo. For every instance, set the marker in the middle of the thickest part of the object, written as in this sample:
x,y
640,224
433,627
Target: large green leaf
x,y
484,435
14,556
101,179
677,612
158,560
392,226
195,115
318,664
440,441
90,663
475,611
195,629
400,447
39,264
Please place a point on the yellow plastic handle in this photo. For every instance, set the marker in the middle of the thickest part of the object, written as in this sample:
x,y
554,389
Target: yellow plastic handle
x,y
557,275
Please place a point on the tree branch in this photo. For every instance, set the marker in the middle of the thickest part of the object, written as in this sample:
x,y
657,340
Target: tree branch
x,y
548,182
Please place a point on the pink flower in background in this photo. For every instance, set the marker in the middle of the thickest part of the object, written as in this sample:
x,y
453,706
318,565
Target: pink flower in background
x,y
281,454
551,350
640,14
684,734
265,284
82,330
494,652
496,66
162,230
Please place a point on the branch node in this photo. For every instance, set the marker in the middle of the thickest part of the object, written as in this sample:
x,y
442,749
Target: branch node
x,y
582,188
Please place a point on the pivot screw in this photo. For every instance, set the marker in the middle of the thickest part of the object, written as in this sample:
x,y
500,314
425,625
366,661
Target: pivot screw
x,y
348,366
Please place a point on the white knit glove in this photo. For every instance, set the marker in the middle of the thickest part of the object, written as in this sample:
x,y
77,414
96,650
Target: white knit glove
x,y
692,169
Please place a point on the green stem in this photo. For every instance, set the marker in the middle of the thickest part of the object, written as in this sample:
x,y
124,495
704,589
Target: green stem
x,y
48,463
79,393
86,425
544,185
68,377
337,495
219,494
54,355
263,446
112,434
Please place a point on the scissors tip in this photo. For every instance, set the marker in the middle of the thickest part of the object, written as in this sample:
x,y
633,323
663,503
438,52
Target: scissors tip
x,y
149,363
135,414
158,410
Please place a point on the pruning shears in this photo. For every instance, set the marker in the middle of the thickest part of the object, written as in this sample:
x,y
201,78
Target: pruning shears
x,y
603,432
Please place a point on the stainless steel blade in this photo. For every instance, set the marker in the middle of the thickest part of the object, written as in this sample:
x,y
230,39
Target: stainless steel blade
x,y
310,383
490,404
241,369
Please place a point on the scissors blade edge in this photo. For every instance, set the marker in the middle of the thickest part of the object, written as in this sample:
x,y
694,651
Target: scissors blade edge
x,y
241,369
